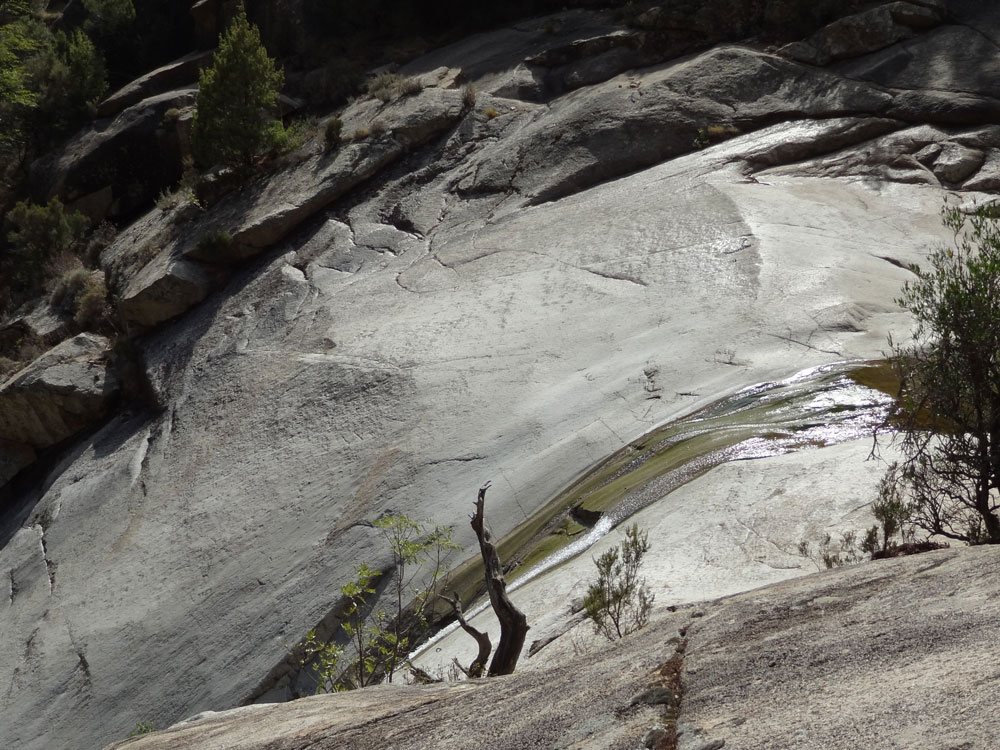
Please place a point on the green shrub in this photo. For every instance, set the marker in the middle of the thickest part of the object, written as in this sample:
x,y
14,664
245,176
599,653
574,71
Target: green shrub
x,y
143,727
229,127
66,290
171,116
81,294
380,639
383,86
215,243
38,233
70,77
109,17
388,86
331,132
469,96
91,305
618,602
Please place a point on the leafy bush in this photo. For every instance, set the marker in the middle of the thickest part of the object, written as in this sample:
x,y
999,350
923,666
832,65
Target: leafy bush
x,y
891,512
382,640
325,660
947,409
143,727
70,77
83,295
215,243
388,86
830,552
331,132
38,233
618,602
229,128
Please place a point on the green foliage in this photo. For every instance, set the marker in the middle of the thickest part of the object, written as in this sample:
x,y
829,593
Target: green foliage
x,y
17,43
382,640
38,233
70,77
891,512
388,86
230,126
21,37
215,243
618,602
948,409
109,17
325,659
832,553
143,727
331,132
469,96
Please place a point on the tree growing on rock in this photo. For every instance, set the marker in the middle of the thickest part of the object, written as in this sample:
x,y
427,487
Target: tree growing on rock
x,y
231,125
618,602
948,409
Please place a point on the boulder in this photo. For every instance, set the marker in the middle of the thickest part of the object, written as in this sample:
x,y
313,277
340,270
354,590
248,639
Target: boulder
x,y
645,117
954,163
861,33
64,391
124,153
259,217
177,74
952,61
987,179
165,288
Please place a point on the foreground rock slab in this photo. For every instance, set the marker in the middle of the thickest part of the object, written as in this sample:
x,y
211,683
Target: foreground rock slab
x,y
885,654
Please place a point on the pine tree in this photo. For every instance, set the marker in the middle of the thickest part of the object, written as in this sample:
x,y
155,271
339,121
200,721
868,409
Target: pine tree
x,y
230,124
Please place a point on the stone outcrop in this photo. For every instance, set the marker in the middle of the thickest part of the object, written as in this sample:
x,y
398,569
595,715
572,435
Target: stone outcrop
x,y
187,268
124,154
64,391
175,75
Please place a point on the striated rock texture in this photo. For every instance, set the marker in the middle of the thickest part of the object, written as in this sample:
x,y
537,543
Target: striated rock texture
x,y
884,654
468,293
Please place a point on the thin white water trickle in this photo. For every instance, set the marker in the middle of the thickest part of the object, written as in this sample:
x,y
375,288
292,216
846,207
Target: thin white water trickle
x,y
814,407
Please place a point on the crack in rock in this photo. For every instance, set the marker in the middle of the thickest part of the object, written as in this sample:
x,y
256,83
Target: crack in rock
x,y
457,459
50,566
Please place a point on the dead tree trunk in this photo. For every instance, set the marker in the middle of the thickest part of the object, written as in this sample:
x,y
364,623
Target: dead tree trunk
x,y
483,639
513,623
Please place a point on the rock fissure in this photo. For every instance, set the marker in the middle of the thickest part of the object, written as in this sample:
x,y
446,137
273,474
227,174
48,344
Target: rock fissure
x,y
50,566
805,344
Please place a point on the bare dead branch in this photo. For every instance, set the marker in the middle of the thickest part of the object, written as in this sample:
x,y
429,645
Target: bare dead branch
x,y
513,623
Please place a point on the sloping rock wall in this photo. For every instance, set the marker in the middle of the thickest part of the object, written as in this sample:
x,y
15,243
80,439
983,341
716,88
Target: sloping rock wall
x,y
484,306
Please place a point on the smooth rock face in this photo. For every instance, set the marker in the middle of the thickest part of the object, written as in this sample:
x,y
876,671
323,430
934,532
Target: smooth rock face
x,y
883,654
483,306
